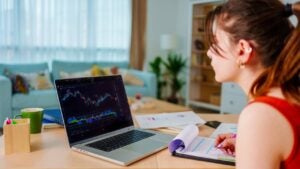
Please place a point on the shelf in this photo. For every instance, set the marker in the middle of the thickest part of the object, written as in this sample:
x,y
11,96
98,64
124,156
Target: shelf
x,y
205,83
203,90
199,103
211,84
199,51
198,34
205,67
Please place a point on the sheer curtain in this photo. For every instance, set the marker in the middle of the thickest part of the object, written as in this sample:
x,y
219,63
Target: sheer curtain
x,y
43,30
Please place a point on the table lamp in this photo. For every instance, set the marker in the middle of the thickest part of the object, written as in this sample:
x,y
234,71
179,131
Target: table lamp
x,y
168,42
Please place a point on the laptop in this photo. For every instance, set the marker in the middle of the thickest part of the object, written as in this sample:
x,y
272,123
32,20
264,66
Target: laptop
x,y
99,123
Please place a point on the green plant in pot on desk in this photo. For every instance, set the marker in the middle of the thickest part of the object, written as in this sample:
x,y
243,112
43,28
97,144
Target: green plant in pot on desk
x,y
174,64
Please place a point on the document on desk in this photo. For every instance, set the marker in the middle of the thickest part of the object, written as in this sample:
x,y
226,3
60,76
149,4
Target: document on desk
x,y
176,120
224,128
188,144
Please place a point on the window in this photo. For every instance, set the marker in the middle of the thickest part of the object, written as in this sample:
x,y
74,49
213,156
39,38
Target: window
x,y
39,30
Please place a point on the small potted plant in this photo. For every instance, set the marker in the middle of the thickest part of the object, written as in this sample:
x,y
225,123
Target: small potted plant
x,y
155,67
174,65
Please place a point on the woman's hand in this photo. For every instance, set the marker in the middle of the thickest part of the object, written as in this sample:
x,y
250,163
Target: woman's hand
x,y
226,142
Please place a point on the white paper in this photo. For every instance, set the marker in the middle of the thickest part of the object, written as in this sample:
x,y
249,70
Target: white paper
x,y
188,134
178,119
224,128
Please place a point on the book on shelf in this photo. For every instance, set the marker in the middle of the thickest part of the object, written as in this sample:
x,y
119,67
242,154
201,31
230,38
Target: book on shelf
x,y
187,144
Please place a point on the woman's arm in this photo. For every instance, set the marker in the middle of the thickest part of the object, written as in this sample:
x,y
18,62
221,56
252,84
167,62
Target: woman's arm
x,y
265,138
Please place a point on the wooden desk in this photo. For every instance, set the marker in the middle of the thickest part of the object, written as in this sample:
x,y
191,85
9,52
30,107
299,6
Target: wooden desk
x,y
50,150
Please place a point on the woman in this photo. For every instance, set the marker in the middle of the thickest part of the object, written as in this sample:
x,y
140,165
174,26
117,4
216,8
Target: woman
x,y
253,44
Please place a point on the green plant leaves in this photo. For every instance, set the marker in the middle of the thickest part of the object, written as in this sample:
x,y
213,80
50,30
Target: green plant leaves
x,y
174,65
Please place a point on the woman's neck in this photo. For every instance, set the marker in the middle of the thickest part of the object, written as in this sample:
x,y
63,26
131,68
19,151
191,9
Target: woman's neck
x,y
247,78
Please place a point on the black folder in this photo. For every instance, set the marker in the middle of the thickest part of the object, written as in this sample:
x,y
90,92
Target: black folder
x,y
219,161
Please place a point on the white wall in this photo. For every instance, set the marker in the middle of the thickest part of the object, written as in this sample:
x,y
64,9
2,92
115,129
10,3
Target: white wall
x,y
183,25
166,17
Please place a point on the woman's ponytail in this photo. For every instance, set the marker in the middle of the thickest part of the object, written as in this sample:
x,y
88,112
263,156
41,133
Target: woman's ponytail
x,y
285,73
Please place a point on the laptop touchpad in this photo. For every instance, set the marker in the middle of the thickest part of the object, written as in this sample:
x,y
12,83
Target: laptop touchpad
x,y
145,146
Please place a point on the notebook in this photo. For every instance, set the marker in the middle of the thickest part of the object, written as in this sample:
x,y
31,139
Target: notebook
x,y
99,123
53,116
49,124
188,144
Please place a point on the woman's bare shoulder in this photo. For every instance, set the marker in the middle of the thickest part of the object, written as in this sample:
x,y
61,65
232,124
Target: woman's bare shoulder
x,y
267,125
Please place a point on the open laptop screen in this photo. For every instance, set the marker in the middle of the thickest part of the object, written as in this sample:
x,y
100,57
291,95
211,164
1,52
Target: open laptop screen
x,y
93,106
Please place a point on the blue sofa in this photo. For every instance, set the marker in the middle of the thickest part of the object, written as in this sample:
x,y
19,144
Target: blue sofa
x,y
10,104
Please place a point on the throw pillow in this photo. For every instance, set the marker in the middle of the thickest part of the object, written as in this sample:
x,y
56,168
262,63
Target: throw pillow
x,y
114,70
43,82
38,80
19,84
66,75
97,71
128,78
94,71
111,70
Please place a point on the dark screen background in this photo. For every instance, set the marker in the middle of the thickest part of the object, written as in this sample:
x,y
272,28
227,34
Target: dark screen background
x,y
93,106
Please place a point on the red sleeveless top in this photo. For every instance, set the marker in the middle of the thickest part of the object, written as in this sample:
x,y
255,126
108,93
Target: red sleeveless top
x,y
292,114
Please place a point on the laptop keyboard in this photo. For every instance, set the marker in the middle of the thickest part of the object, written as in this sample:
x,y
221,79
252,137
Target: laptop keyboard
x,y
121,140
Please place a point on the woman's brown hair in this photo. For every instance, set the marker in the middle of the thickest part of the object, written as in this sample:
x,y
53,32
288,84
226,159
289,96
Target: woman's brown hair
x,y
277,42
285,73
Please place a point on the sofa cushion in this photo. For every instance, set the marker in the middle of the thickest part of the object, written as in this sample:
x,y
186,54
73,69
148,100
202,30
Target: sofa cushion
x,y
71,67
35,98
38,80
130,79
92,72
19,69
67,75
25,68
133,90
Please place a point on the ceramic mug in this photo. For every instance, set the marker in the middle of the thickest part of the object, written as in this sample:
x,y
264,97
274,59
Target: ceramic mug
x,y
36,118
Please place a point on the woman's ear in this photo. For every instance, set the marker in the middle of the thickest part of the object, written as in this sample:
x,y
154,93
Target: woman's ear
x,y
245,51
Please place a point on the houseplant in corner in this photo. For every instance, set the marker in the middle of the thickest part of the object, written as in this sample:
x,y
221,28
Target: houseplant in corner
x,y
155,67
174,64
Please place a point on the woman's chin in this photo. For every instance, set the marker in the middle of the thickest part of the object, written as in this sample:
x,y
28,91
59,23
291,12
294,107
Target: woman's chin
x,y
219,80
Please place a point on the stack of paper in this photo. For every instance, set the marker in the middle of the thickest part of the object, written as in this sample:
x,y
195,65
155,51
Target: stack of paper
x,y
176,121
